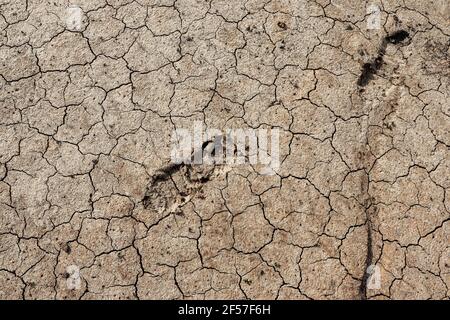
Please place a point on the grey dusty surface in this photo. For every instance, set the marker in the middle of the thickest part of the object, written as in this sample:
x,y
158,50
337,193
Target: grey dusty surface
x,y
90,207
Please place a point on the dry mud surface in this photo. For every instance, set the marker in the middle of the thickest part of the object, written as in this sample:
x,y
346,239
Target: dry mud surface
x,y
91,207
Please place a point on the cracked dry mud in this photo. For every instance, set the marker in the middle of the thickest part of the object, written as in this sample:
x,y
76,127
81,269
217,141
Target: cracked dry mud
x,y
86,180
